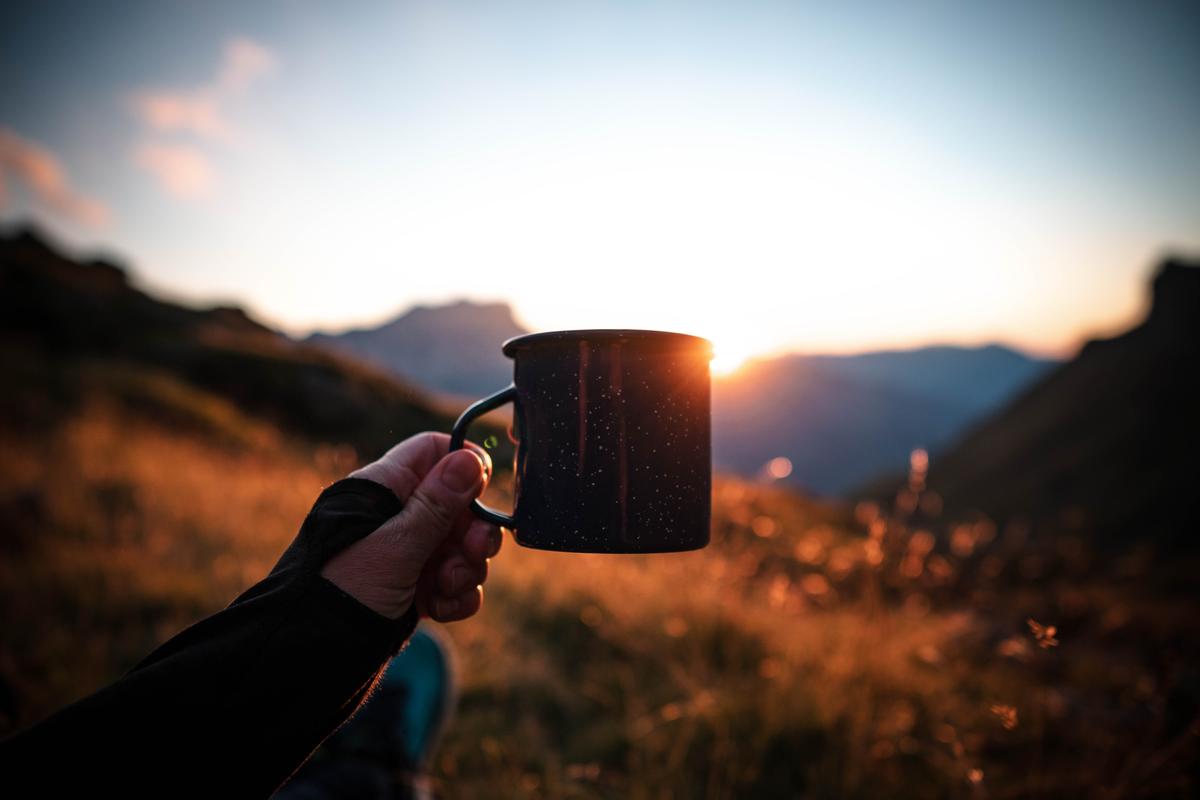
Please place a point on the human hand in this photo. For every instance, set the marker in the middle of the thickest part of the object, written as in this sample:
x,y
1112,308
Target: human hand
x,y
434,552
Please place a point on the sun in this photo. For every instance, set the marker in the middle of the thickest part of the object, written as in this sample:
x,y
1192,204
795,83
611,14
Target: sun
x,y
726,360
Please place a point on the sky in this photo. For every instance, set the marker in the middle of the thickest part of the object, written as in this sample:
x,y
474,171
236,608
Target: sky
x,y
821,177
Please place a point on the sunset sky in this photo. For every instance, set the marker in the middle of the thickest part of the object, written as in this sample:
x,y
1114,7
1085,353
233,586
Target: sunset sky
x,y
812,176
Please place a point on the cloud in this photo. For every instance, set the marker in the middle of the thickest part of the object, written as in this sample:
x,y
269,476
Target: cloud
x,y
201,110
183,170
196,113
43,174
245,61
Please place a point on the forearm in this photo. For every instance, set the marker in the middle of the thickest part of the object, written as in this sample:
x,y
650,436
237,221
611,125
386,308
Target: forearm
x,y
233,704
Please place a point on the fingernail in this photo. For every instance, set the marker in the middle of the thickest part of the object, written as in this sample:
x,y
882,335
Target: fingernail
x,y
493,543
463,470
458,578
444,607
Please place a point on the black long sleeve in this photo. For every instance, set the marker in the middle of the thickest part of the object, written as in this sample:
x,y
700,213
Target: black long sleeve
x,y
232,705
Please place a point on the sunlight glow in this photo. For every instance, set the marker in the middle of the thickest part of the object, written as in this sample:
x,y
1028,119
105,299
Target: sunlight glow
x,y
726,361
757,242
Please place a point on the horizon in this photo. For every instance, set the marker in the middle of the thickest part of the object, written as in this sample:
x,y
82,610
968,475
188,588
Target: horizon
x,y
775,178
722,366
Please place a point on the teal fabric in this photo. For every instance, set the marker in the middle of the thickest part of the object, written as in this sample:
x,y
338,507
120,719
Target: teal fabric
x,y
423,670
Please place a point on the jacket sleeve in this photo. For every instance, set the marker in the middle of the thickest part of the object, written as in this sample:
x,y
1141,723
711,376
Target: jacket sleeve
x,y
232,705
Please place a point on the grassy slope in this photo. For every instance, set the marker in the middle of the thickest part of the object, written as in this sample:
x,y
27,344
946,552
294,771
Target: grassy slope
x,y
809,651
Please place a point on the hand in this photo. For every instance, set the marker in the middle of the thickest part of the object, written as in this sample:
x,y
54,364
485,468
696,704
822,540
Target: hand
x,y
435,551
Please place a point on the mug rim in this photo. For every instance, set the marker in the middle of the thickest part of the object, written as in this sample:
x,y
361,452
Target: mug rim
x,y
604,335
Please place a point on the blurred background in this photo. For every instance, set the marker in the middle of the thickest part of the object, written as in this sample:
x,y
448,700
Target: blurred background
x,y
949,257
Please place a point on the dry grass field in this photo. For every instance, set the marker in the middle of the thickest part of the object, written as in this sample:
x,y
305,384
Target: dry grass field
x,y
811,651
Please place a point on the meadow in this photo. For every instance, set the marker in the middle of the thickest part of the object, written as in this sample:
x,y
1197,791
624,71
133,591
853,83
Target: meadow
x,y
813,650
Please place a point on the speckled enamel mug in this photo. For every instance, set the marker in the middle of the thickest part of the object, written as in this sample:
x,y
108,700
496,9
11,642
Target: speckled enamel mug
x,y
614,441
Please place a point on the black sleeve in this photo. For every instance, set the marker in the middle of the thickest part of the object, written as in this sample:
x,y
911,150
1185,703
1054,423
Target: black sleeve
x,y
232,705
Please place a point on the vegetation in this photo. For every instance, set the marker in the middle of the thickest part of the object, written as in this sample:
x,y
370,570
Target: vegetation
x,y
811,651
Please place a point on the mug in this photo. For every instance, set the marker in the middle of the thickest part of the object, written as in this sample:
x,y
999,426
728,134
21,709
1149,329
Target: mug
x,y
614,441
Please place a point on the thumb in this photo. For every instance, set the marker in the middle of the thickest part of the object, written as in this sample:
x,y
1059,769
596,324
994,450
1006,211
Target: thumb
x,y
435,504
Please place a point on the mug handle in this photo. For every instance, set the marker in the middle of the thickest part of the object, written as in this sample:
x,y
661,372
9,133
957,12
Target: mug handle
x,y
458,437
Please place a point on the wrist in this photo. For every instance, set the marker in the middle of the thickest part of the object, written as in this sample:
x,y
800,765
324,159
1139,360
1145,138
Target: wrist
x,y
357,577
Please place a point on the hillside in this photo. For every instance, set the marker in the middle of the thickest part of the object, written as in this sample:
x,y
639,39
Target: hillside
x,y
71,328
1108,441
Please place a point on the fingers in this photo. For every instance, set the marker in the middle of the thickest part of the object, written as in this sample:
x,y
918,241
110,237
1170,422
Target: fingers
x,y
459,607
433,507
457,570
481,541
462,562
403,467
457,574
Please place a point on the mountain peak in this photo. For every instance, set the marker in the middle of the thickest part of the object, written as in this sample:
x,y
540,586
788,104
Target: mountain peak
x,y
452,347
465,304
1176,293
29,234
488,314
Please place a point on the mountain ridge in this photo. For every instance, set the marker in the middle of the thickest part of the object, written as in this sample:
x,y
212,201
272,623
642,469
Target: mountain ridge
x,y
844,419
76,327
847,419
1107,440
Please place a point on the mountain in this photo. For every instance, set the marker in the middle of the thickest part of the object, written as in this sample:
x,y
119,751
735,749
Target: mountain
x,y
1107,442
842,420
71,330
973,379
453,349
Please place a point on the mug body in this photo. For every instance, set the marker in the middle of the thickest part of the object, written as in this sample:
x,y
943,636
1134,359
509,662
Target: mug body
x,y
613,432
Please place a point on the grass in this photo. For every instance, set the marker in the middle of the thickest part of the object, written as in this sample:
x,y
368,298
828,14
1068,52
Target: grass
x,y
812,651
